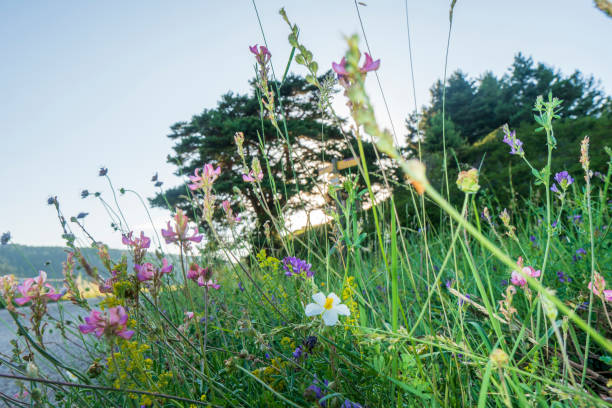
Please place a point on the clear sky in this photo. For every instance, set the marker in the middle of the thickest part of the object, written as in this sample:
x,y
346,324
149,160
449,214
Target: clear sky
x,y
85,84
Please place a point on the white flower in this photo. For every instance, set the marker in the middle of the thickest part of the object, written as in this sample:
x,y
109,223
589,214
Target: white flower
x,y
330,307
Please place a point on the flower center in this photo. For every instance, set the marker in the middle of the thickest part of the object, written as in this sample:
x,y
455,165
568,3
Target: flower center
x,y
329,302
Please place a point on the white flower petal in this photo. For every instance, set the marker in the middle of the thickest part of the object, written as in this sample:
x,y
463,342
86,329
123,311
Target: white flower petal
x,y
312,309
330,317
319,298
342,310
335,298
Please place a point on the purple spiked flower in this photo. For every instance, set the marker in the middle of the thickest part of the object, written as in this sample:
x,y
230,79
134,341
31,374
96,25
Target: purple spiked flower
x,y
296,266
516,146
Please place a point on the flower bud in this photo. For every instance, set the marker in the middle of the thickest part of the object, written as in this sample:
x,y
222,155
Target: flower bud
x,y
467,181
499,357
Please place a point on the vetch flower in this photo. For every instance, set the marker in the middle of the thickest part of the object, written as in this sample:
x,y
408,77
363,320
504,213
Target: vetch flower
x,y
251,177
564,179
328,306
82,215
369,64
340,69
143,242
296,266
112,324
204,181
519,278
103,171
36,289
179,234
516,146
84,193
597,285
228,212
147,271
263,55
202,276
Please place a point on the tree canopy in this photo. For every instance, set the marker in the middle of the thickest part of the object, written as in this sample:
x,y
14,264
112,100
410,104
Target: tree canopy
x,y
307,138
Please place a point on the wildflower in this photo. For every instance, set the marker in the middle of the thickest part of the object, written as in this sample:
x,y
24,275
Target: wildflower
x,y
229,213
82,215
499,357
251,177
239,140
340,69
84,193
263,55
519,278
608,295
467,181
36,289
240,286
204,181
350,404
202,276
581,251
112,324
563,277
189,315
147,271
597,285
154,178
5,238
8,284
563,179
296,266
460,301
180,234
533,240
297,353
142,242
51,200
516,146
584,156
103,171
330,307
314,392
505,306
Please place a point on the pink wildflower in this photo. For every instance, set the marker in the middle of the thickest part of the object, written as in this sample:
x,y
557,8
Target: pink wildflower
x,y
597,285
147,271
340,68
140,243
228,212
180,234
608,295
204,181
263,55
113,323
369,64
36,289
519,278
202,276
189,315
250,178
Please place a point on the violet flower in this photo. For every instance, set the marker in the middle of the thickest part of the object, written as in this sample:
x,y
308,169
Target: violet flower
x,y
295,266
137,243
516,146
147,271
5,238
112,324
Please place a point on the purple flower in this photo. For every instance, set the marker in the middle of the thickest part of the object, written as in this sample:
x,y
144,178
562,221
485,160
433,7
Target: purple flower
x,y
263,55
350,404
581,251
240,286
554,224
297,353
340,68
5,238
460,301
563,277
315,391
504,283
84,193
554,188
564,179
577,218
533,240
310,342
516,146
103,171
82,215
296,266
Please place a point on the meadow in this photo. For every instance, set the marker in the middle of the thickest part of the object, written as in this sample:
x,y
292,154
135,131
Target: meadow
x,y
452,298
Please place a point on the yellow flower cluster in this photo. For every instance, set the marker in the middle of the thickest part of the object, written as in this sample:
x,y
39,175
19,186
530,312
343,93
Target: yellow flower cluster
x,y
266,261
348,297
133,370
287,344
111,301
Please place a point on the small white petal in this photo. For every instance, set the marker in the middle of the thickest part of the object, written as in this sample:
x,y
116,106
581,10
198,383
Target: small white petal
x,y
312,309
330,317
342,310
335,298
319,298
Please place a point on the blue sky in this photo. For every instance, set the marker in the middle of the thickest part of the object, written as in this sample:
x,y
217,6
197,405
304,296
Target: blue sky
x,y
86,84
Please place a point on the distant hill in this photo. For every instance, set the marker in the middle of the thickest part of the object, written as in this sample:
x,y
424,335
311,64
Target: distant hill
x,y
25,261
